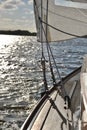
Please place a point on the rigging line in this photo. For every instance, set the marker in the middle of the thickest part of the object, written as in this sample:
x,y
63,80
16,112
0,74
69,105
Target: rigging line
x,y
53,59
74,35
39,5
43,57
41,29
47,20
51,68
52,54
66,16
62,85
41,35
49,45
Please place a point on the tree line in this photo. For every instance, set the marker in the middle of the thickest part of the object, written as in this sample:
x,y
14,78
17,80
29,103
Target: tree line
x,y
18,32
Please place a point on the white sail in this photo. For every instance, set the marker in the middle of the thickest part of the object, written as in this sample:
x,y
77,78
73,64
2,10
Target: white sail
x,y
66,19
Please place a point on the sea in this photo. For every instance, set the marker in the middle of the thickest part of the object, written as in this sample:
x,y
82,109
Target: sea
x,y
21,77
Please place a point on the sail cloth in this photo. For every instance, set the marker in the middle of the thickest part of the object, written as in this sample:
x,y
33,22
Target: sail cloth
x,y
65,19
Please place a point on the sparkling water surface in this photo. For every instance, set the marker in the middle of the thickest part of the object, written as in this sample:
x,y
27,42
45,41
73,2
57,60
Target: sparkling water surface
x,y
21,74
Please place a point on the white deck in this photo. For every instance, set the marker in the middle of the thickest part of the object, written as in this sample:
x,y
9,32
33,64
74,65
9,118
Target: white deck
x,y
53,116
83,78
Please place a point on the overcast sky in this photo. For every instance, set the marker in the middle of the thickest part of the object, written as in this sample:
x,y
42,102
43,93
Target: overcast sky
x,y
16,14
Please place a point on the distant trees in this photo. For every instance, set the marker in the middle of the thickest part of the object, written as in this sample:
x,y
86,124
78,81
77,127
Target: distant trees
x,y
18,32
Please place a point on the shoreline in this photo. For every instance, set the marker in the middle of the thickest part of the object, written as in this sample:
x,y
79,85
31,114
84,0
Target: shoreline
x,y
17,32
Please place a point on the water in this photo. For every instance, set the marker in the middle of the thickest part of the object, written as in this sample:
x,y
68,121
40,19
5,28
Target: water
x,y
21,74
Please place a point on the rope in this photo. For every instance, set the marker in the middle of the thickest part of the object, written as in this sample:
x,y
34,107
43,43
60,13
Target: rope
x,y
41,29
51,68
62,86
84,36
48,46
43,57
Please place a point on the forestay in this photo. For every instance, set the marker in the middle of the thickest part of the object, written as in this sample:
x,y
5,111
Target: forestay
x,y
65,19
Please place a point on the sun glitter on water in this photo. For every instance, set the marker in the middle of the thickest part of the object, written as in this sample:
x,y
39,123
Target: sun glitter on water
x,y
7,39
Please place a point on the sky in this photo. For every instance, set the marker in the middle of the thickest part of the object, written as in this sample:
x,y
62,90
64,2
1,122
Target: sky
x,y
17,14
74,3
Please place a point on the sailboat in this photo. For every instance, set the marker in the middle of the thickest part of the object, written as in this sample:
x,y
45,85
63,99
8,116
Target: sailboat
x,y
64,105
